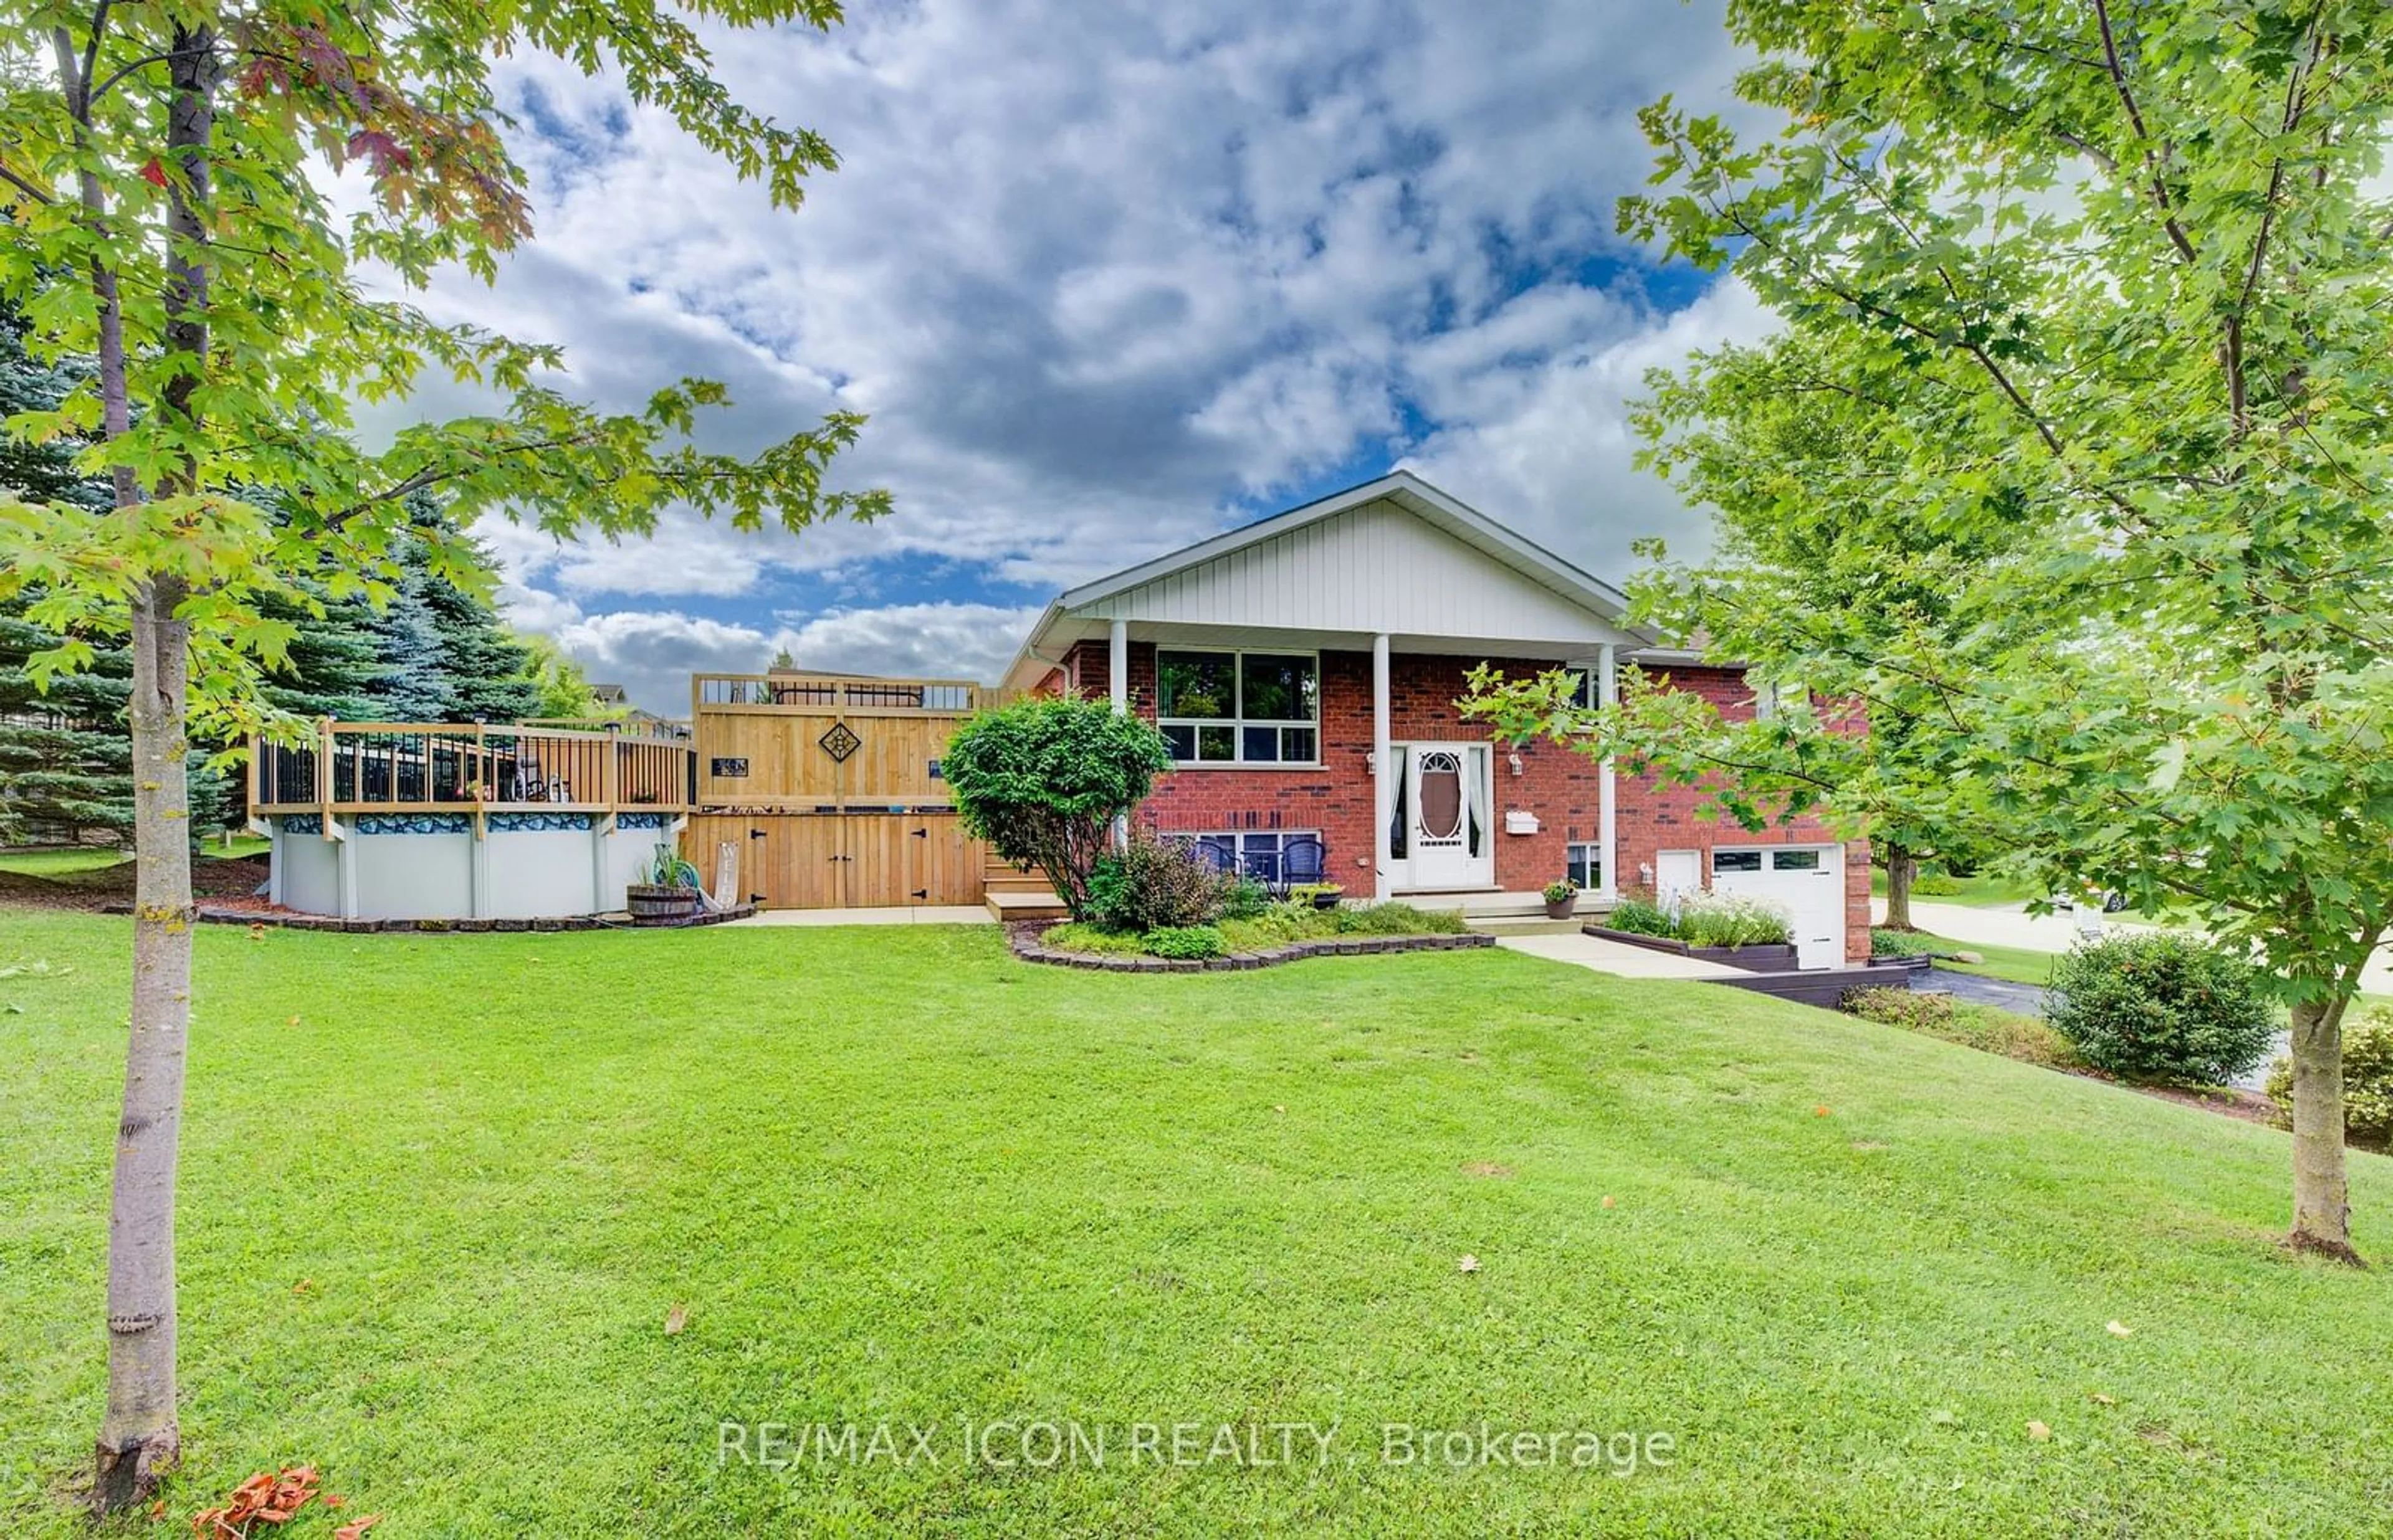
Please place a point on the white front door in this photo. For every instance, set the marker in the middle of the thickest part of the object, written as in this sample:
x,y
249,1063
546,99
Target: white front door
x,y
1808,882
1448,842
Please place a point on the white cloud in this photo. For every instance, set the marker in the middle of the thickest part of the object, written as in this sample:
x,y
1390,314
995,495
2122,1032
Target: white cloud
x,y
652,653
1107,276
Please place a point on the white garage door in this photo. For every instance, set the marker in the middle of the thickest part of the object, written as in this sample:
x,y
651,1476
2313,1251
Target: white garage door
x,y
1808,882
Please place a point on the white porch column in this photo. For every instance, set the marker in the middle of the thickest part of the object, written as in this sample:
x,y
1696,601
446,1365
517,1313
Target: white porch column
x,y
1382,770
1117,687
1607,691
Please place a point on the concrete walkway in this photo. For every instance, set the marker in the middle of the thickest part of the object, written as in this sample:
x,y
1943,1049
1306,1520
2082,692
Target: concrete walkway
x,y
1615,957
912,914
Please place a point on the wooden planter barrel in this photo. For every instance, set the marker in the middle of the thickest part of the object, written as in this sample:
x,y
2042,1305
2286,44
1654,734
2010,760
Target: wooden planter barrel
x,y
651,905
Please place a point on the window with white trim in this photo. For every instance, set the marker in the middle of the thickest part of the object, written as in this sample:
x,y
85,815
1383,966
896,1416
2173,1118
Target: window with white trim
x,y
1584,865
1586,685
1239,707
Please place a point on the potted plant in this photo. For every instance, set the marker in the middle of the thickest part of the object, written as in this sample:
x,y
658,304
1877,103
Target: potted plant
x,y
1561,898
667,892
1321,896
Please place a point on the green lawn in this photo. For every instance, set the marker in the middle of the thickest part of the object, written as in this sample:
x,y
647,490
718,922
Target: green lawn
x,y
440,1193
61,863
1979,892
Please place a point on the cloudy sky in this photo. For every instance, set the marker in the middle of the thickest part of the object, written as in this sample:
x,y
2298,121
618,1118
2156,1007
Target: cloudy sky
x,y
1108,279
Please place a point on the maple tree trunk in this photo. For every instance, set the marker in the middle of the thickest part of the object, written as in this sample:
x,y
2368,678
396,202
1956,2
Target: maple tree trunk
x,y
1901,867
140,1436
2322,1195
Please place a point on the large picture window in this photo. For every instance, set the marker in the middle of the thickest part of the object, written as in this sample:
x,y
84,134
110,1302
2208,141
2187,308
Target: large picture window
x,y
1239,707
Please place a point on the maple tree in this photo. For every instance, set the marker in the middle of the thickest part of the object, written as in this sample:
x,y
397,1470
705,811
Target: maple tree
x,y
160,174
2102,287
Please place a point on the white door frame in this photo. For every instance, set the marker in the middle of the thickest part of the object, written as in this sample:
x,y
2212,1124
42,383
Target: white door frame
x,y
1820,924
1431,865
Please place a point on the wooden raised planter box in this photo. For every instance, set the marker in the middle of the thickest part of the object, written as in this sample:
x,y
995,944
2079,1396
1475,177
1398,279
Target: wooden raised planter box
x,y
1765,958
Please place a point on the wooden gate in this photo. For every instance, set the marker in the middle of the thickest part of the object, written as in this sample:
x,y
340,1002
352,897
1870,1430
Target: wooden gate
x,y
845,860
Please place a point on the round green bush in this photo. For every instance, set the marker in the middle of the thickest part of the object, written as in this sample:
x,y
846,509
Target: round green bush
x,y
2367,1078
2161,1006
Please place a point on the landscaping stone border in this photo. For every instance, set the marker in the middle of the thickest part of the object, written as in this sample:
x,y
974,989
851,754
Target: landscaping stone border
x,y
547,924
1023,936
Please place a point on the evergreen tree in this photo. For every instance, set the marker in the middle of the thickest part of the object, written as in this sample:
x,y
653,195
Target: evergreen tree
x,y
66,756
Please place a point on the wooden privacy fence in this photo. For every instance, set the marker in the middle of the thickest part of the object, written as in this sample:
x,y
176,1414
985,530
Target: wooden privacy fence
x,y
845,860
832,787
448,767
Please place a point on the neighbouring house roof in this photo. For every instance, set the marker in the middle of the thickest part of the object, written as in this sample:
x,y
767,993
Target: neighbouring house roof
x,y
1394,555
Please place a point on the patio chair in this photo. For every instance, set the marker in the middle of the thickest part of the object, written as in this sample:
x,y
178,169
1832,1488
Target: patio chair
x,y
1302,860
1217,856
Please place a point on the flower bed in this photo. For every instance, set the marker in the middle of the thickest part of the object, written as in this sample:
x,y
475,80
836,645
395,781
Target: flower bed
x,y
1030,946
1280,933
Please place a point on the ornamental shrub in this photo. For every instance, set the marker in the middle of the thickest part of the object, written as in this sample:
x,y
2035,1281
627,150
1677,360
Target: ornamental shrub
x,y
1896,1006
1043,778
2160,1005
1885,943
1935,885
2367,1079
1152,883
1639,916
1185,941
1718,919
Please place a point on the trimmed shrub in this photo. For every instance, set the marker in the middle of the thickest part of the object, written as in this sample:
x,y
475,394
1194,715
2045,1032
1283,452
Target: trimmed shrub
x,y
1934,884
2367,1079
1885,943
1154,884
1639,916
2161,1006
1185,941
1899,1006
1043,778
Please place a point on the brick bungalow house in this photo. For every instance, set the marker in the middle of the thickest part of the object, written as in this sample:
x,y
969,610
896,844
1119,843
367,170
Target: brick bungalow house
x,y
1304,669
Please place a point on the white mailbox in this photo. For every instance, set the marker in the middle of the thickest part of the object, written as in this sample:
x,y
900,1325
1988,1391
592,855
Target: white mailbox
x,y
1520,820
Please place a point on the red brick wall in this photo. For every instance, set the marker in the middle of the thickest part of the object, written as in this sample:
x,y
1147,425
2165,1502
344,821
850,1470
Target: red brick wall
x,y
1559,787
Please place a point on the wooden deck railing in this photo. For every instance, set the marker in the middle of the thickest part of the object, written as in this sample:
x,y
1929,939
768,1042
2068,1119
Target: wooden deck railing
x,y
464,767
819,693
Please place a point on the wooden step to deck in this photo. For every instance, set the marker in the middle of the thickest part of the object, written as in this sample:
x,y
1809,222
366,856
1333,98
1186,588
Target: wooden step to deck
x,y
1042,904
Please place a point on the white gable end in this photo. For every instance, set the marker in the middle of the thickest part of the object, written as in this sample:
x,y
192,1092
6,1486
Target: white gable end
x,y
1370,569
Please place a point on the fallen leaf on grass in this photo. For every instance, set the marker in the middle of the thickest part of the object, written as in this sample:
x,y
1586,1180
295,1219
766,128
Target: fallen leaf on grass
x,y
1609,1200
1943,1418
263,1499
356,1528
304,1285
675,1319
294,1021
1820,1112
2037,1432
2102,1400
2115,1329
1468,1263
1485,1168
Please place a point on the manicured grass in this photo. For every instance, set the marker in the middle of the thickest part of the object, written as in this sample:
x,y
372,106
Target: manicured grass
x,y
60,863
1982,891
440,1193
